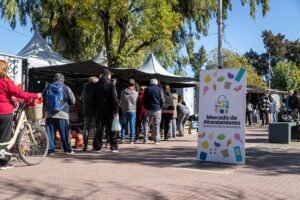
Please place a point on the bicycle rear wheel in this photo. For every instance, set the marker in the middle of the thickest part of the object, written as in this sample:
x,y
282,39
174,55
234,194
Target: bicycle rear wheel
x,y
32,148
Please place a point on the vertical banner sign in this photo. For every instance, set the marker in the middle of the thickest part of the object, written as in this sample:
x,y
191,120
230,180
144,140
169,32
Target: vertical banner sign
x,y
221,119
14,69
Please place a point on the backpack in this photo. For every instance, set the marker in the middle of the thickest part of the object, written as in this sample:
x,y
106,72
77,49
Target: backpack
x,y
54,97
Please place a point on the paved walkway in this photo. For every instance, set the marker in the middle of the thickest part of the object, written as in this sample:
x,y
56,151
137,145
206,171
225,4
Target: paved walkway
x,y
167,171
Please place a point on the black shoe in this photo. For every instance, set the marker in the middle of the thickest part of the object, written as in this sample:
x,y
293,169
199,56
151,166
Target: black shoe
x,y
6,166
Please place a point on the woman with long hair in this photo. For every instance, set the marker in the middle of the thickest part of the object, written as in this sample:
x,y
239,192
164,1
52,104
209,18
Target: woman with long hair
x,y
8,90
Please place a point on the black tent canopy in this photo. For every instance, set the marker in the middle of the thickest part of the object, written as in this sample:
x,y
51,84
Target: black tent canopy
x,y
78,73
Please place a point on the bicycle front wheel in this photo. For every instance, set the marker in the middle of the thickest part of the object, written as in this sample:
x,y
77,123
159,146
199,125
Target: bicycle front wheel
x,y
33,148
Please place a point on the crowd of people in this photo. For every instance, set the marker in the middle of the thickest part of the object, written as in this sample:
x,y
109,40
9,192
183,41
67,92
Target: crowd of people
x,y
271,109
143,108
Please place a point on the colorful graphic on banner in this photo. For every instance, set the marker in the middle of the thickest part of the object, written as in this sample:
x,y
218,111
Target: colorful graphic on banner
x,y
221,123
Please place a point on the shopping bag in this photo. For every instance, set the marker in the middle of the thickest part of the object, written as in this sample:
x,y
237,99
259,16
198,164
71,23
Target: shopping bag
x,y
116,126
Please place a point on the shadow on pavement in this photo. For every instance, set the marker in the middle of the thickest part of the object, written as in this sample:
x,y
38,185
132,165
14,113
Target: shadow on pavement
x,y
256,140
269,160
273,161
26,189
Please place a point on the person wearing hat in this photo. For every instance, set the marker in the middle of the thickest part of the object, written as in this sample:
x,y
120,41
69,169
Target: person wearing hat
x,y
106,109
128,103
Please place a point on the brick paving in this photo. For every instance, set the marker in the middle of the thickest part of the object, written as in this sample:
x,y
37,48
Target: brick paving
x,y
167,171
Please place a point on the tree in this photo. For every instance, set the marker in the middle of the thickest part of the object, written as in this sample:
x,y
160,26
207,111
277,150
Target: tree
x,y
198,61
260,62
279,48
125,31
234,60
285,76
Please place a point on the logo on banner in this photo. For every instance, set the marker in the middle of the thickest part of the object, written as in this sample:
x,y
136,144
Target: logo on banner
x,y
222,105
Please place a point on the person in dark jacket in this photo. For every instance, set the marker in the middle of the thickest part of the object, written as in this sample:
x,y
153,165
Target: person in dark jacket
x,y
59,120
167,110
88,108
293,104
153,102
140,113
106,110
128,103
8,90
264,105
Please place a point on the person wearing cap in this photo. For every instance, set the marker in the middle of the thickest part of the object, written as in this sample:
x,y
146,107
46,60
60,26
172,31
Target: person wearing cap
x,y
106,110
59,120
128,103
153,102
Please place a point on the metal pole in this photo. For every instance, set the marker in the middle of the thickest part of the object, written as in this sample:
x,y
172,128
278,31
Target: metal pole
x,y
220,29
269,71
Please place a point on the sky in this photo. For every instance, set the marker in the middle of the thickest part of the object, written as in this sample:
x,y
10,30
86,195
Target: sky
x,y
241,31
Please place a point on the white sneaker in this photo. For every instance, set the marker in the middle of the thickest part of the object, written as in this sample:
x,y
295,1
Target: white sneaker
x,y
157,143
115,151
96,151
71,152
131,142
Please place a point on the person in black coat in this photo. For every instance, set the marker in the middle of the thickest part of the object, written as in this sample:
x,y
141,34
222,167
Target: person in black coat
x,y
106,109
88,108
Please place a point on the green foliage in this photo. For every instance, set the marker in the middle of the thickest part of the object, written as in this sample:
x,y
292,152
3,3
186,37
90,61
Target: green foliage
x,y
285,76
260,62
124,31
198,60
280,49
234,60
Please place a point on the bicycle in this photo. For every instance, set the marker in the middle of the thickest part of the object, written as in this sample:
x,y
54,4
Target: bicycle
x,y
30,139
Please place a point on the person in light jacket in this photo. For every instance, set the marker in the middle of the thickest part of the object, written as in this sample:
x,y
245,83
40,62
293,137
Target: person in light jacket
x,y
128,103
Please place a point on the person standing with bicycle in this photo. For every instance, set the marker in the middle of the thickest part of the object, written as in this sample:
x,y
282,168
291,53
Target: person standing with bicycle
x,y
8,90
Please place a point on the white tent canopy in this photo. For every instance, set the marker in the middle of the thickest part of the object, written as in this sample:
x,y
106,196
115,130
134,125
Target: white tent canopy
x,y
152,66
40,54
100,59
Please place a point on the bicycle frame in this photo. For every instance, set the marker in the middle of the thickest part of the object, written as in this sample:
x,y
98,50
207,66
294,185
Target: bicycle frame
x,y
21,123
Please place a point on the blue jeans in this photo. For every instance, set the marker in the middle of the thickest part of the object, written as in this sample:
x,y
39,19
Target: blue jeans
x,y
172,128
62,126
274,116
128,117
